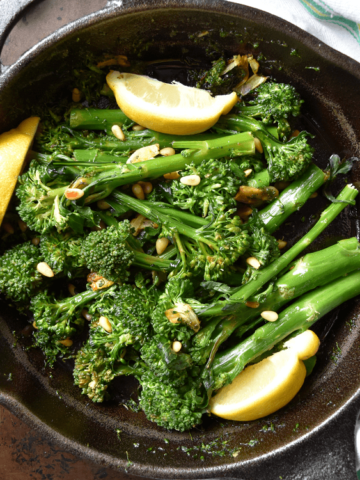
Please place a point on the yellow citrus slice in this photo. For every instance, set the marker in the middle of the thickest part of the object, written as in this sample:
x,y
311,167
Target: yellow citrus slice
x,y
14,146
269,385
167,108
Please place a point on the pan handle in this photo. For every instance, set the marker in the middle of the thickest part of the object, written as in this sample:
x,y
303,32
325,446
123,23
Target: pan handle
x,y
11,11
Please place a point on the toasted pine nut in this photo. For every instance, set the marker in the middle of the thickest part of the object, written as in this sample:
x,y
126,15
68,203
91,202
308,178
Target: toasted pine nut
x,y
252,304
144,153
172,176
313,195
244,211
22,225
258,145
248,172
72,289
294,133
270,316
281,244
34,325
44,269
105,324
176,346
138,128
161,245
80,182
67,342
35,241
118,133
8,228
103,205
76,95
101,283
138,191
253,262
167,152
73,193
85,313
191,180
147,187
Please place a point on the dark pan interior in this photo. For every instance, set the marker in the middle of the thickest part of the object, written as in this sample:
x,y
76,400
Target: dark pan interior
x,y
110,432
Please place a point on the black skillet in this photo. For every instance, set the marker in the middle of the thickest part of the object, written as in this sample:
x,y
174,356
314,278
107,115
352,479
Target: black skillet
x,y
319,421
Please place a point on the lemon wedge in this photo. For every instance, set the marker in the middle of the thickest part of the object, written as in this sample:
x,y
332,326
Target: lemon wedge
x,y
167,108
269,385
14,146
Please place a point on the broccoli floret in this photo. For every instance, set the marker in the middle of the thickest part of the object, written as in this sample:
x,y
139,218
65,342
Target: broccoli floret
x,y
108,253
39,204
220,181
273,102
217,82
19,279
56,321
286,161
180,408
62,253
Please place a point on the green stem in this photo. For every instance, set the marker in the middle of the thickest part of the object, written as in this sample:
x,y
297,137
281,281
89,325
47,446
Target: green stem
x,y
97,119
153,263
292,198
241,144
299,316
272,270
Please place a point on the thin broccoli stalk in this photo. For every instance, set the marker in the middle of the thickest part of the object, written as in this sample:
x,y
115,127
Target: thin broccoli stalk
x,y
97,118
292,198
240,144
56,321
298,317
286,161
268,273
309,272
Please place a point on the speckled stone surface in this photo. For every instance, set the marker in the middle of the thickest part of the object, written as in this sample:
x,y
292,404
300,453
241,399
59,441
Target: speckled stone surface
x,y
26,454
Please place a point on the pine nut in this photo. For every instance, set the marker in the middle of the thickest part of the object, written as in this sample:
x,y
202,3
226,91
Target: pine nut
x,y
258,145
313,195
281,244
253,262
294,133
85,313
80,182
44,269
269,316
22,226
138,191
103,205
172,176
8,228
176,346
72,289
244,211
101,283
73,193
248,172
191,180
118,133
147,187
138,128
105,324
35,241
144,153
76,95
34,325
167,152
67,342
161,245
252,304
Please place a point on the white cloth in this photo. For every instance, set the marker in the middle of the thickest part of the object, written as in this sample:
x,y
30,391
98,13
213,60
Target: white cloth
x,y
335,22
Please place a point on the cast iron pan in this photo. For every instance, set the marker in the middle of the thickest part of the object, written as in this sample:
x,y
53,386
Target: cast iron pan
x,y
155,30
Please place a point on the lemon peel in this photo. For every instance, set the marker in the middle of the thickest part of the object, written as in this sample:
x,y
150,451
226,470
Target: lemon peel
x,y
14,146
168,108
269,385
